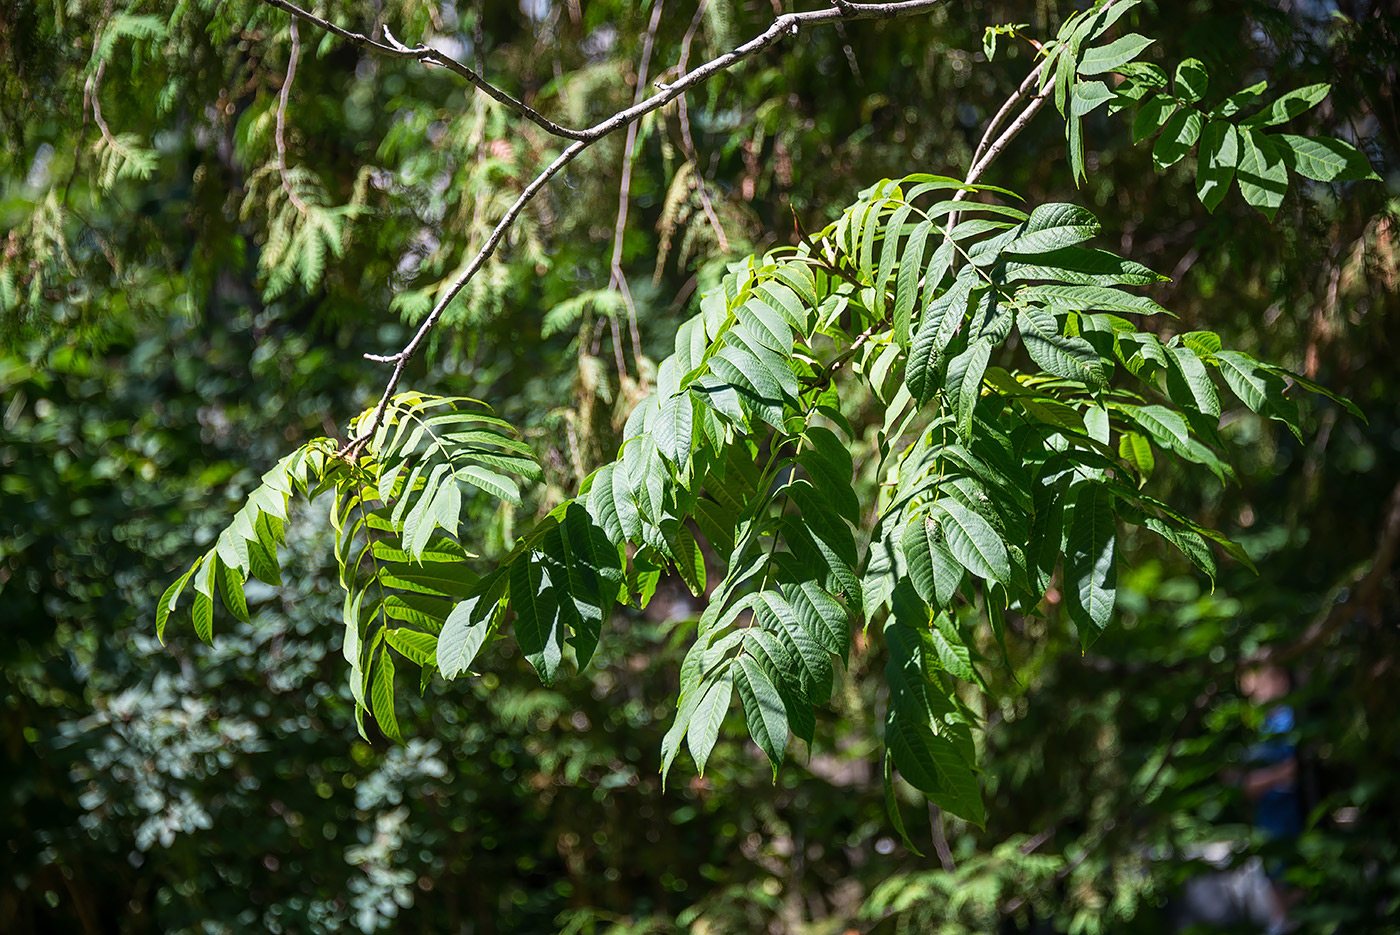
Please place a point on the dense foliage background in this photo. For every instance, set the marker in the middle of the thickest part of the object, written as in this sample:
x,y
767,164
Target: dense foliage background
x,y
161,350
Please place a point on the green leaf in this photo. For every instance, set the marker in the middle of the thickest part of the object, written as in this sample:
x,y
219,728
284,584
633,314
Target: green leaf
x,y
466,629
1189,384
231,587
171,598
1082,266
754,379
601,505
763,709
689,560
502,488
416,646
828,463
931,753
1179,134
1090,569
964,382
1106,58
933,570
1314,387
1072,358
1242,375
923,371
1190,544
1051,227
808,659
674,430
1215,162
891,799
953,653
1289,106
766,324
821,615
1071,298
1170,430
538,627
424,612
438,579
1324,159
1088,97
1240,100
1137,452
973,541
203,612
906,290
382,697
1191,80
1261,172
707,718
1155,112
1204,343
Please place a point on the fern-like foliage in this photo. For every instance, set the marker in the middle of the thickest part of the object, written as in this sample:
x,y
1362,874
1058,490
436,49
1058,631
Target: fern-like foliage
x,y
1024,409
1026,402
1231,144
396,512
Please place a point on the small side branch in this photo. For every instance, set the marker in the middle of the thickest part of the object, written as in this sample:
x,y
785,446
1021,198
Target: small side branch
x,y
421,53
281,134
624,194
788,24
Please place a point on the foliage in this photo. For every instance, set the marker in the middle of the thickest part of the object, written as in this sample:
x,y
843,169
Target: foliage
x,y
990,473
117,457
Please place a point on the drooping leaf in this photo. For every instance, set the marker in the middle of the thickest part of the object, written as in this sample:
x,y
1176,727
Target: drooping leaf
x,y
707,718
538,626
1090,564
1261,172
973,541
1215,162
673,429
468,626
1179,134
763,709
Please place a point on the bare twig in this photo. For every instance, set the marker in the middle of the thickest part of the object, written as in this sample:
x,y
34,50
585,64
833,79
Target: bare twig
x,y
788,24
619,279
91,93
1005,139
995,123
281,136
940,839
683,115
396,49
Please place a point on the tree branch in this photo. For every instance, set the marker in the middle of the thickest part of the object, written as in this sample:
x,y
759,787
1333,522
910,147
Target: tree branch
x,y
788,24
421,53
619,279
995,123
281,134
683,117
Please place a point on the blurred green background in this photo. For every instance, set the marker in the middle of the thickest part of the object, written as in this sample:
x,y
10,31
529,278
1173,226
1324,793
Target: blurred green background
x,y
162,347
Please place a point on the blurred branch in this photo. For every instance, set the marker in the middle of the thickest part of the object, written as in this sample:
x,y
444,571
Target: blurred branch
x,y
786,25
428,56
281,134
619,279
1360,597
688,143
